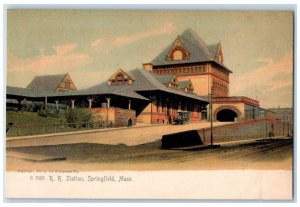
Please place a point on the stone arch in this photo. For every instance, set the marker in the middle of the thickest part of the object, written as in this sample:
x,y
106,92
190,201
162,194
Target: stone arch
x,y
227,107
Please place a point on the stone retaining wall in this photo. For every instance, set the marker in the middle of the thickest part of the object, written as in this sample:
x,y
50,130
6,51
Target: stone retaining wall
x,y
245,130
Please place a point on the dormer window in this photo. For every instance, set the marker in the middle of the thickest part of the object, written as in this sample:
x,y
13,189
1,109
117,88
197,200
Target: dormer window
x,y
173,83
120,78
186,86
178,51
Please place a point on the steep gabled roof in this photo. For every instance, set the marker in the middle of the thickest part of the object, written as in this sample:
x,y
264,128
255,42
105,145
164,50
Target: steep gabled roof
x,y
144,81
164,79
25,92
197,48
113,76
104,89
46,82
213,49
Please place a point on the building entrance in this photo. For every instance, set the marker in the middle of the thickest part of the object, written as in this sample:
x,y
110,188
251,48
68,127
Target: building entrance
x,y
226,115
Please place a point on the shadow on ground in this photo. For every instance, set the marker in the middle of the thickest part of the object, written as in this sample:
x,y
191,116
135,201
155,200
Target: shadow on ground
x,y
262,150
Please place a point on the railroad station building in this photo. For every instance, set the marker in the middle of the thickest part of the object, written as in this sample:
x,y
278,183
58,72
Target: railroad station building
x,y
190,59
185,76
137,94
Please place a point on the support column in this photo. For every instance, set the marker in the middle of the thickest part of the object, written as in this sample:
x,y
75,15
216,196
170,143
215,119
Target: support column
x,y
90,103
19,104
56,104
152,98
72,103
108,102
46,102
179,105
129,104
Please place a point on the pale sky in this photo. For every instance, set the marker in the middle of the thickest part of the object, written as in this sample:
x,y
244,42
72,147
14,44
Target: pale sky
x,y
93,44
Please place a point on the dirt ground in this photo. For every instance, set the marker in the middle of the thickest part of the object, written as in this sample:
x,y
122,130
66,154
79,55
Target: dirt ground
x,y
132,136
259,154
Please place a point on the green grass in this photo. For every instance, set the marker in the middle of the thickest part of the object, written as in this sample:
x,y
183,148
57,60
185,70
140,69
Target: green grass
x,y
24,119
30,123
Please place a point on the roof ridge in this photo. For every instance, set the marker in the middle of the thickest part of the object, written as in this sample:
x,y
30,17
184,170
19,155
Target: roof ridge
x,y
52,74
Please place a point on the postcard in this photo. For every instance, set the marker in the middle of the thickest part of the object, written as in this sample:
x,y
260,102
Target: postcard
x,y
149,104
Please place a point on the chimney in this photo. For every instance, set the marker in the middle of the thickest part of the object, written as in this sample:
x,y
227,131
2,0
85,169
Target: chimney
x,y
148,66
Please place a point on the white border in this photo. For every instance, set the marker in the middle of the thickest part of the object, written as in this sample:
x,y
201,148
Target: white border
x,y
108,5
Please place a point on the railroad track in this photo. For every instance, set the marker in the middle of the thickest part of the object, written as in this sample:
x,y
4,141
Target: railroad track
x,y
234,153
265,150
257,158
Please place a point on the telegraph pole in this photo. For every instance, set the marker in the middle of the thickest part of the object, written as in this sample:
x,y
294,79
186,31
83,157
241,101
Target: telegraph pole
x,y
211,119
266,111
283,123
288,126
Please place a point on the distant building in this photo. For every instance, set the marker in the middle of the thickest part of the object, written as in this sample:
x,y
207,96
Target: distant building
x,y
284,114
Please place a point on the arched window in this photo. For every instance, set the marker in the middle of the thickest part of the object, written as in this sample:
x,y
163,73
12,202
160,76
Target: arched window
x,y
177,55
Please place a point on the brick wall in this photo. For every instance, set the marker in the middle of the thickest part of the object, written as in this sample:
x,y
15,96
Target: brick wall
x,y
162,117
122,116
117,115
145,116
239,108
195,116
245,130
104,114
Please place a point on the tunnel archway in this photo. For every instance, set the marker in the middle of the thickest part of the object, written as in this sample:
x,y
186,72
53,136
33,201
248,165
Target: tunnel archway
x,y
226,115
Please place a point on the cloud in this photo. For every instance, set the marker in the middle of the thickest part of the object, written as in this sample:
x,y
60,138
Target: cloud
x,y
121,41
274,78
96,43
64,60
94,77
64,49
124,40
